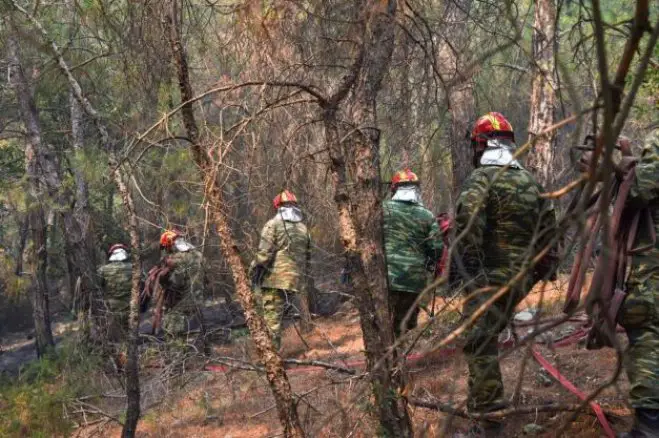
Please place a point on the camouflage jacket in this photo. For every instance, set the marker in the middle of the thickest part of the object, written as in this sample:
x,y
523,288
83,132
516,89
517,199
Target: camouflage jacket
x,y
413,245
187,273
645,194
511,223
116,278
285,250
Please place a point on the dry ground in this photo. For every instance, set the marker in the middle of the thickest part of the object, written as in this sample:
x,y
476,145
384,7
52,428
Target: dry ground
x,y
236,403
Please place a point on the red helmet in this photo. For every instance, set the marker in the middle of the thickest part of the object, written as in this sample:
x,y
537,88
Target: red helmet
x,y
403,177
284,198
117,246
491,125
168,237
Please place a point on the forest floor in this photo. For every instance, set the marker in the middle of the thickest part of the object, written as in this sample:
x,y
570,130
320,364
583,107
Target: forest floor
x,y
190,395
222,401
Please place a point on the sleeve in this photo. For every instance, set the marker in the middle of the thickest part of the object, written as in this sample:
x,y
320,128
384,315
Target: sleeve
x,y
546,267
470,207
267,245
307,263
101,278
434,244
646,186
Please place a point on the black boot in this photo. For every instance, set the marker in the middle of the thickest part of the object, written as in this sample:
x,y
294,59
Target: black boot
x,y
646,425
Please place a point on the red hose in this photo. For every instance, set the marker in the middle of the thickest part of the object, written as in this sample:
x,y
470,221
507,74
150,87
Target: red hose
x,y
574,390
448,352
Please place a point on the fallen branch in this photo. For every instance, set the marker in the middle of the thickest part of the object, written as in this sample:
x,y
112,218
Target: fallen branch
x,y
247,366
317,363
503,413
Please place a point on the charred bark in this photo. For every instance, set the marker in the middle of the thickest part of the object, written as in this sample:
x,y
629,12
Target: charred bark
x,y
35,165
541,158
355,167
260,334
459,95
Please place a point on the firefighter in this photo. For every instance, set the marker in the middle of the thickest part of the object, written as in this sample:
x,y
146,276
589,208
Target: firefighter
x,y
505,224
116,283
413,246
183,282
281,266
639,314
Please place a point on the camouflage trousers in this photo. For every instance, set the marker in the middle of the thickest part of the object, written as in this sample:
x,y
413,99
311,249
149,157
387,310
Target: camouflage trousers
x,y
184,316
400,303
481,349
114,328
272,305
639,316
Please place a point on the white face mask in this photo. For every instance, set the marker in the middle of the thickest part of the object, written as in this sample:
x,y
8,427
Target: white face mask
x,y
119,255
290,213
408,194
182,245
499,153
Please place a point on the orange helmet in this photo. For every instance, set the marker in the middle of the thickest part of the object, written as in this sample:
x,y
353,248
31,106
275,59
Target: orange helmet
x,y
168,237
283,198
492,125
115,247
403,177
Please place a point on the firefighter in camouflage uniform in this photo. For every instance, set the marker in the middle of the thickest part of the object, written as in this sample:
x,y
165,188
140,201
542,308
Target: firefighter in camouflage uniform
x,y
511,224
639,314
116,283
281,266
413,246
184,283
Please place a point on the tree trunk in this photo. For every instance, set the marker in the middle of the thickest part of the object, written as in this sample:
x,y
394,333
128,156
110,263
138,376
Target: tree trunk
x,y
132,371
355,168
132,368
35,166
541,158
460,97
260,334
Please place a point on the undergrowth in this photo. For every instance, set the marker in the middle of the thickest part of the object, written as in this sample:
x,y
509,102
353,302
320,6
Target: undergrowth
x,y
34,403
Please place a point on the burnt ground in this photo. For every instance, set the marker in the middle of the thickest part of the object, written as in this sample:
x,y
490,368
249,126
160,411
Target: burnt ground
x,y
220,401
189,395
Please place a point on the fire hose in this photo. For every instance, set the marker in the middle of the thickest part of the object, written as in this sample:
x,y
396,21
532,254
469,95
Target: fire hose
x,y
448,352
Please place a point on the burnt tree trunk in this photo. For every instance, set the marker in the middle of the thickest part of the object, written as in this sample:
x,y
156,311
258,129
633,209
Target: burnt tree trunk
x,y
541,158
261,336
34,166
355,167
459,95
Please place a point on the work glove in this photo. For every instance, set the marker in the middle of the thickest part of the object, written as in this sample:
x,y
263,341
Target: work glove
x,y
258,272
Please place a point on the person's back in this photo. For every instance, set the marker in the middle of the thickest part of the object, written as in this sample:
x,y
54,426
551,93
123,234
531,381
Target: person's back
x,y
286,245
187,271
639,313
510,223
413,246
117,279
410,238
281,267
502,223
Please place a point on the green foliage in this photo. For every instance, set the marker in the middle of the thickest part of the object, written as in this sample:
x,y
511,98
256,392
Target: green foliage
x,y
34,403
